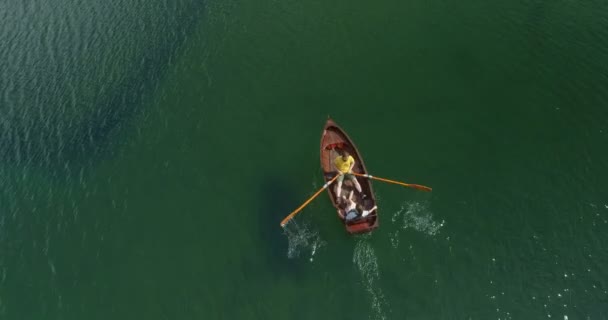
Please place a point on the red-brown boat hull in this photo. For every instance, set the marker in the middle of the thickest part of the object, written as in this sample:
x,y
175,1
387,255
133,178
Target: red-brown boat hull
x,y
334,137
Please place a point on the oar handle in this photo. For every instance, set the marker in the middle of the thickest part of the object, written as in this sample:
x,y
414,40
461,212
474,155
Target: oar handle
x,y
291,215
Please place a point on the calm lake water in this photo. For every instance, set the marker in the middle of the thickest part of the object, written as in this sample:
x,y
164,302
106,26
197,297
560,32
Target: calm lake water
x,y
151,148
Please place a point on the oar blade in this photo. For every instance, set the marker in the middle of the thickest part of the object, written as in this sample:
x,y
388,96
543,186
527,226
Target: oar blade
x,y
422,188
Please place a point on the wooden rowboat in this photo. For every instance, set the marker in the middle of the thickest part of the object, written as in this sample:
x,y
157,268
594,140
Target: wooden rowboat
x,y
334,138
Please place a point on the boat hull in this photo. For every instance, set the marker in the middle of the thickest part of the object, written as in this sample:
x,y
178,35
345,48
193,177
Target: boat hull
x,y
332,139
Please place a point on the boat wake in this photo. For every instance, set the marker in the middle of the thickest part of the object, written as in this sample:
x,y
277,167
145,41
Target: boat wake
x,y
417,216
302,238
366,262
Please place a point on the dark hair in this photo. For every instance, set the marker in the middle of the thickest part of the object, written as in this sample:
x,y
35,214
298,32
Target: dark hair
x,y
343,152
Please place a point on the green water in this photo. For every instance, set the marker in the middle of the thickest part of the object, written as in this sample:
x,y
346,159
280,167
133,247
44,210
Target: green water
x,y
151,148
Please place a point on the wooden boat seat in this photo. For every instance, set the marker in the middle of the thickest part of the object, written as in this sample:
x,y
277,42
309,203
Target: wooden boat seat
x,y
333,146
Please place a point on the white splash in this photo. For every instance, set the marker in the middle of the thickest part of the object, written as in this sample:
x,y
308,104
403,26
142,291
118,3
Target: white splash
x,y
417,216
302,238
366,262
394,236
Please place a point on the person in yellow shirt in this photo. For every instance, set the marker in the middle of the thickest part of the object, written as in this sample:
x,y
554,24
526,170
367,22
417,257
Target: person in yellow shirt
x,y
344,164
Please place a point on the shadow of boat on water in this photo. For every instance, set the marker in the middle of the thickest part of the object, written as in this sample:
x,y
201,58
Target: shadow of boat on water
x,y
277,201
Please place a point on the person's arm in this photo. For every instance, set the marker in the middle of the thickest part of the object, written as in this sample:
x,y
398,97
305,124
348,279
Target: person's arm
x,y
365,213
350,169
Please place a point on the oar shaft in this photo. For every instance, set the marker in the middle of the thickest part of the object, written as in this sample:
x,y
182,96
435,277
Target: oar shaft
x,y
291,215
417,186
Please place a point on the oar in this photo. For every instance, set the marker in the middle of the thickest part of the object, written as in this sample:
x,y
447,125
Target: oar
x,y
415,186
291,215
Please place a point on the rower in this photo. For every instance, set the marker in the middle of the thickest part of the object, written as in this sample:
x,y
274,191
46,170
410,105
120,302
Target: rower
x,y
344,164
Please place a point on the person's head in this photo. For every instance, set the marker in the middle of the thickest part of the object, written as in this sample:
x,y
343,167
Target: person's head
x,y
344,154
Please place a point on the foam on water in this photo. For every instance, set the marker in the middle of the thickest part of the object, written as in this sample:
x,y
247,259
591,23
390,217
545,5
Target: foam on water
x,y
302,238
571,289
364,258
417,216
